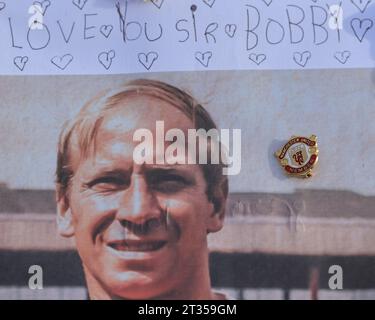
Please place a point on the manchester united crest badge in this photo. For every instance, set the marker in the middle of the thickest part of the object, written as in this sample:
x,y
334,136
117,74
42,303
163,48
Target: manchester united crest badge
x,y
299,156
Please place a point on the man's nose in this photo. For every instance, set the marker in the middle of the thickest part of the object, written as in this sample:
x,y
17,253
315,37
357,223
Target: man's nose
x,y
138,204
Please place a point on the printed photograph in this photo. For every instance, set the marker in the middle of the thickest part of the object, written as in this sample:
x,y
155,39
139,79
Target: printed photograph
x,y
167,186
187,150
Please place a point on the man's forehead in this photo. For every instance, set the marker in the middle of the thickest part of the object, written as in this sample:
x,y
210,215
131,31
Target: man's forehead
x,y
114,135
142,112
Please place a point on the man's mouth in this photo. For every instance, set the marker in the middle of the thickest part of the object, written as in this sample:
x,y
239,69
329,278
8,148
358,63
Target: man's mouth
x,y
137,245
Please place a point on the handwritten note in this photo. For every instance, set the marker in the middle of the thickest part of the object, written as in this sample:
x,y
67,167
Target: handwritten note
x,y
130,36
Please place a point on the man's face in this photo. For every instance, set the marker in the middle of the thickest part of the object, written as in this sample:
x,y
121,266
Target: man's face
x,y
140,230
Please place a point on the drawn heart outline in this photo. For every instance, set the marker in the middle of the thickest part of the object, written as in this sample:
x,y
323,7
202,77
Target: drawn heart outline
x,y
43,5
361,4
203,57
79,3
342,56
62,61
210,3
257,58
230,30
148,59
301,58
157,3
360,27
106,30
106,58
267,2
20,62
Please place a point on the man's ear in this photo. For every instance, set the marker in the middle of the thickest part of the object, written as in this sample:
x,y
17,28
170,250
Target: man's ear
x,y
219,201
64,217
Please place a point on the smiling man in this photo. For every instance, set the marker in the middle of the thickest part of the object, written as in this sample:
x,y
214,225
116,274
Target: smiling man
x,y
140,229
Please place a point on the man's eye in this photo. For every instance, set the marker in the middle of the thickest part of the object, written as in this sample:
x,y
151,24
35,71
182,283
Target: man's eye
x,y
107,184
169,183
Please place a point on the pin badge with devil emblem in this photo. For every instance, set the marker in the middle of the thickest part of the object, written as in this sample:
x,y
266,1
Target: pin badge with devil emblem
x,y
299,156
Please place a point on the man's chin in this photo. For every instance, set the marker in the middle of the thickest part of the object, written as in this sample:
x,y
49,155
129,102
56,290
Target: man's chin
x,y
134,285
136,277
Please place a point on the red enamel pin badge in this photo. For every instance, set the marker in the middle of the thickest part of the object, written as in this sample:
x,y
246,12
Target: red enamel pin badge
x,y
299,156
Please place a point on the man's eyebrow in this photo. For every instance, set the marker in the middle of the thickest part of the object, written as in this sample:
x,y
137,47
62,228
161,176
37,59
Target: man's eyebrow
x,y
167,168
110,172
181,170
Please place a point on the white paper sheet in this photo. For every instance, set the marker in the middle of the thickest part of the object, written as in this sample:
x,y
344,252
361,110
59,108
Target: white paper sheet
x,y
131,36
